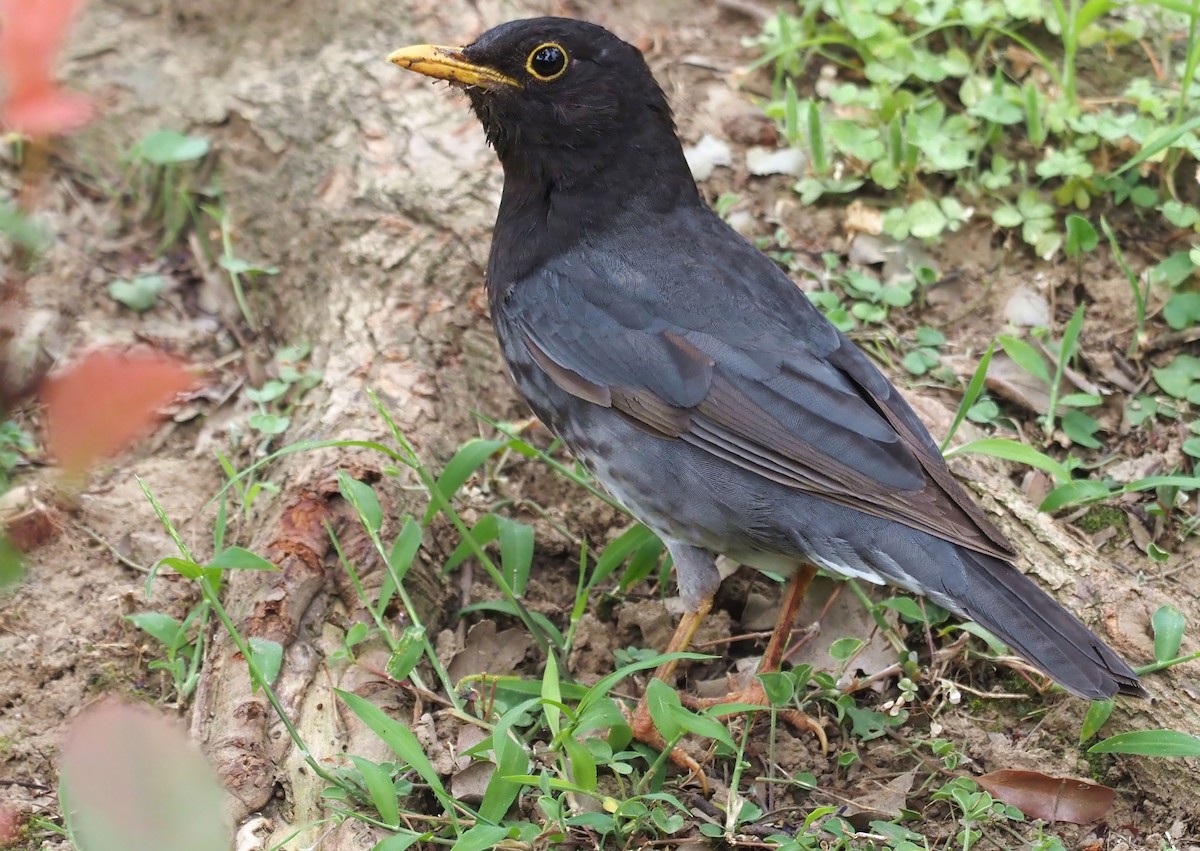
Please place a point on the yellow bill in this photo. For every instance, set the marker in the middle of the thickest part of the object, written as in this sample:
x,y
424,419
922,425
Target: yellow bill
x,y
447,63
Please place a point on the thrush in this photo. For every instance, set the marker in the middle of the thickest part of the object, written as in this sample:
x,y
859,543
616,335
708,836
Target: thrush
x,y
697,382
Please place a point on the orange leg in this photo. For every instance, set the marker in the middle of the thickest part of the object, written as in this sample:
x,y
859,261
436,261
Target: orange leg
x,y
753,694
641,722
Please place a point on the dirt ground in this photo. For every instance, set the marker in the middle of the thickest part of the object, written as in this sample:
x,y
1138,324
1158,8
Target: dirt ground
x,y
373,193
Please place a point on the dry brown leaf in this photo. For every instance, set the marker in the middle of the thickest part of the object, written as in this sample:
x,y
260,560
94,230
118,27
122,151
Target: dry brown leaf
x,y
487,652
1015,385
883,802
1049,798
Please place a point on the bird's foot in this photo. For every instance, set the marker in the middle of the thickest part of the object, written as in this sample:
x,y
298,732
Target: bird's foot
x,y
645,732
754,695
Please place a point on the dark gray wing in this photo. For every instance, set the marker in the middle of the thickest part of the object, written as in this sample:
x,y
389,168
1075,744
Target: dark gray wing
x,y
775,390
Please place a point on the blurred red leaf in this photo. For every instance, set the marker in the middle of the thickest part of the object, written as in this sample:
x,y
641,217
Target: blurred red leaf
x,y
1049,798
135,781
31,36
10,827
102,403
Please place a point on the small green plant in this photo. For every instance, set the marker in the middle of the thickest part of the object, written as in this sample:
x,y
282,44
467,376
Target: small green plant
x,y
166,178
974,809
183,644
15,444
858,295
909,103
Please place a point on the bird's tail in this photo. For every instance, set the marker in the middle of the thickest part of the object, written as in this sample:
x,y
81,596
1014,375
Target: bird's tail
x,y
1038,628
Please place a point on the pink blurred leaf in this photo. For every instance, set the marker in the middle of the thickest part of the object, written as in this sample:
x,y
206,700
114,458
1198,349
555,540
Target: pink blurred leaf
x,y
1048,798
101,404
135,781
31,36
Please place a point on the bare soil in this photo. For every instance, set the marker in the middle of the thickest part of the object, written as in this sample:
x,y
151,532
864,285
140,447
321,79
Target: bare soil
x,y
373,192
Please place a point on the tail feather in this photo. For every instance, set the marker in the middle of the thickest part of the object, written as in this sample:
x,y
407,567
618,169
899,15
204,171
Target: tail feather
x,y
1041,630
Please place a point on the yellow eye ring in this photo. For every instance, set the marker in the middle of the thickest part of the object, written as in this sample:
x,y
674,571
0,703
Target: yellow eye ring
x,y
547,62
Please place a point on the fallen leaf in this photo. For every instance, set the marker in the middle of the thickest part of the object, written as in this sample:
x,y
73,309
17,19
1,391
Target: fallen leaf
x,y
1010,382
881,801
106,400
845,617
30,39
135,781
487,652
1048,798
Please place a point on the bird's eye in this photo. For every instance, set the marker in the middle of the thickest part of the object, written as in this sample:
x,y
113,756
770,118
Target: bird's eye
x,y
547,62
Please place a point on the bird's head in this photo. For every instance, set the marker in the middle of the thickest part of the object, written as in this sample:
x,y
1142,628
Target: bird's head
x,y
558,98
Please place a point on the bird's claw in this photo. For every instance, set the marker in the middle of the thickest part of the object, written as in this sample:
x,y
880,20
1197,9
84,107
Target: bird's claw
x,y
645,732
754,695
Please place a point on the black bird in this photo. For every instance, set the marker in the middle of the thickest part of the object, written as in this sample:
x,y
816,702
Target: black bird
x,y
694,377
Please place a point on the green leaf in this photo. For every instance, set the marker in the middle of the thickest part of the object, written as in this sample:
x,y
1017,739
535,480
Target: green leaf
x,y
401,842
997,109
363,498
1007,216
400,739
356,635
1097,714
607,683
1177,377
1158,144
1011,450
915,363
1081,236
236,558
400,559
926,219
20,228
511,759
1174,270
906,607
930,337
1182,310
1026,357
995,645
408,652
268,655
583,764
161,626
844,648
1168,623
1081,428
238,266
1150,743
481,837
269,392
1076,492
779,687
618,550
974,389
269,424
184,567
165,147
663,703
380,789
139,294
469,458
516,553
709,728
816,140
